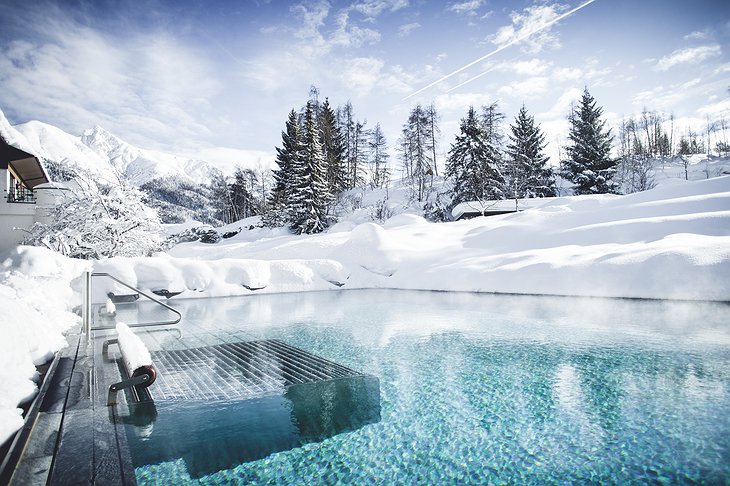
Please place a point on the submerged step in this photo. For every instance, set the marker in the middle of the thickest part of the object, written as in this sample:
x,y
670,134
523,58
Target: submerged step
x,y
245,369
219,406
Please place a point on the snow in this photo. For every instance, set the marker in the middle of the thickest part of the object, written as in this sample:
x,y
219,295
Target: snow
x,y
106,156
134,353
35,295
672,242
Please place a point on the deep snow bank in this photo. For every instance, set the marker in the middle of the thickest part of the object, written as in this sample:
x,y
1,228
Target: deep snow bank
x,y
672,242
36,298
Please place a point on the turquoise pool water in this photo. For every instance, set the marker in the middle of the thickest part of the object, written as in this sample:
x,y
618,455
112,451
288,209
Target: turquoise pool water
x,y
479,389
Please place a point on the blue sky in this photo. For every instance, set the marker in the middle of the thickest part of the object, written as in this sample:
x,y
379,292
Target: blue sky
x,y
191,76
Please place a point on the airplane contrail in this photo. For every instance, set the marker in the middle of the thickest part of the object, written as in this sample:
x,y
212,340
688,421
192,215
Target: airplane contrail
x,y
499,49
469,80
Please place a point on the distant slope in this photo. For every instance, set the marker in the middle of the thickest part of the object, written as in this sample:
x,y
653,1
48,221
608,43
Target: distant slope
x,y
108,157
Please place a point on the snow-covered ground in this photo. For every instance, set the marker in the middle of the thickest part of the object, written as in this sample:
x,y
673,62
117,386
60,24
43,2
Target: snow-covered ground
x,y
672,242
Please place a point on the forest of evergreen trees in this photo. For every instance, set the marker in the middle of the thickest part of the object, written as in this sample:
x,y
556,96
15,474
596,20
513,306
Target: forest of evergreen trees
x,y
326,151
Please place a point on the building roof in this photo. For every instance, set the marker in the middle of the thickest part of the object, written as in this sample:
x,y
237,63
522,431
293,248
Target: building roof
x,y
26,166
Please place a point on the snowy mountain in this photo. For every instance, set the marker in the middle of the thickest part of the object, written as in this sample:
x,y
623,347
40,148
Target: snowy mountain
x,y
54,144
107,156
139,165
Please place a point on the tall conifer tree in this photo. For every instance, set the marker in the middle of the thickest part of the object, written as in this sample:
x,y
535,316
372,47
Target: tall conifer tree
x,y
589,165
286,157
530,174
471,164
309,198
333,149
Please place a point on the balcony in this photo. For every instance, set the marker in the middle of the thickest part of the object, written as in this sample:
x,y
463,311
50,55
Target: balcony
x,y
21,194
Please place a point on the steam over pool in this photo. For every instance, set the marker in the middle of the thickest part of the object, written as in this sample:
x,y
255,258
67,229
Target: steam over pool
x,y
481,388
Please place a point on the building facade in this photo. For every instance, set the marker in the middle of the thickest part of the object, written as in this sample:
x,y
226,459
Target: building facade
x,y
28,195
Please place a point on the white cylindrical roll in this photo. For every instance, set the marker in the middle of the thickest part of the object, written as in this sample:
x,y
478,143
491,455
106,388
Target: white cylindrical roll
x,y
134,353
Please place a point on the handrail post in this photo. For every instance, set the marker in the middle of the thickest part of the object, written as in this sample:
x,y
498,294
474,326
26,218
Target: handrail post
x,y
86,305
104,274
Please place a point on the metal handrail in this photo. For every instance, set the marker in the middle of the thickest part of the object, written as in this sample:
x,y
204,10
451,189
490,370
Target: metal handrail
x,y
87,305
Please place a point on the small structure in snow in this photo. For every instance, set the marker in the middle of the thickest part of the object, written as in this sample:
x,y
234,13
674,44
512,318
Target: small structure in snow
x,y
472,209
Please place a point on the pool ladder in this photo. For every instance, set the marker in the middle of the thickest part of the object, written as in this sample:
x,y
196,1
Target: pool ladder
x,y
86,314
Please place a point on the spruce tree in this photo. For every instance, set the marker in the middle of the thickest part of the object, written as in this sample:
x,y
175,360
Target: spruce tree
x,y
530,174
589,165
471,164
309,197
333,149
290,151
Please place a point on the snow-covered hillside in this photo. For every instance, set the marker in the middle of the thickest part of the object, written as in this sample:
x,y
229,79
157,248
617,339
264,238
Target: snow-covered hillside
x,y
106,156
141,166
646,245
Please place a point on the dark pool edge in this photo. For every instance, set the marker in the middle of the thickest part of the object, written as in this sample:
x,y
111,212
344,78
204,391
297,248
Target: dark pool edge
x,y
11,469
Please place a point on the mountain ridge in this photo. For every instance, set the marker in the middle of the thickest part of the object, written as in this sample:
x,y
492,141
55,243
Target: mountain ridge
x,y
106,156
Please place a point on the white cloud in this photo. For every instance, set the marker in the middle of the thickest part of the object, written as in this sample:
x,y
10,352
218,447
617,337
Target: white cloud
x,y
76,77
348,35
373,8
468,7
312,17
715,110
664,98
533,67
529,88
697,35
689,55
567,74
723,68
405,29
691,83
536,20
398,80
561,107
460,102
362,74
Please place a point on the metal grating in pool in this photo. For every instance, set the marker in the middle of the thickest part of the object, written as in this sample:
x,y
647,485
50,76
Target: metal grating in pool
x,y
238,370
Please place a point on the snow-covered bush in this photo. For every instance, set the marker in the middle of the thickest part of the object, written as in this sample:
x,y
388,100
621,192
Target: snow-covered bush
x,y
97,221
204,234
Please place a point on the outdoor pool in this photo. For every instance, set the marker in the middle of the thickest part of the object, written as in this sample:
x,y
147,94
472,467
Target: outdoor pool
x,y
473,389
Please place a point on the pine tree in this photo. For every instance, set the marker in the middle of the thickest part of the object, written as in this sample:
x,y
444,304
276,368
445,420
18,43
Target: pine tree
x,y
333,149
286,156
309,197
530,174
471,164
588,164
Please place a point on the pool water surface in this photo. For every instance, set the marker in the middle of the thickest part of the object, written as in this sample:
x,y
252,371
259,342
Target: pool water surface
x,y
473,389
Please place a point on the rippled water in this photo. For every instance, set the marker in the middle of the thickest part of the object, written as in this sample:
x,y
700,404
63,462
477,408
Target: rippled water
x,y
481,388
